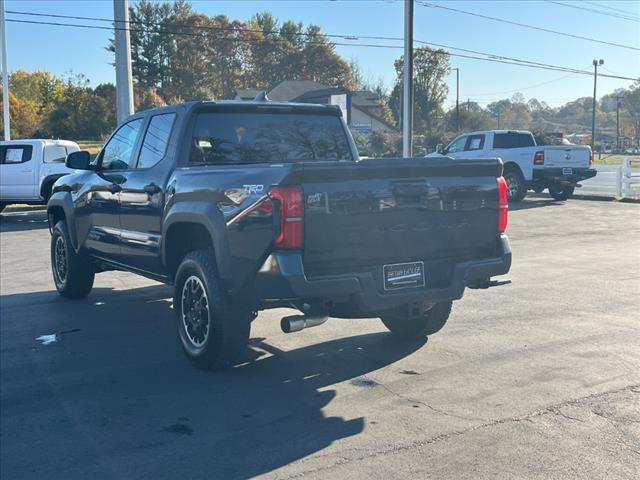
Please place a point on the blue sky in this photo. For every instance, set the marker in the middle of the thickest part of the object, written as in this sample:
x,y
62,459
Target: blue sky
x,y
62,49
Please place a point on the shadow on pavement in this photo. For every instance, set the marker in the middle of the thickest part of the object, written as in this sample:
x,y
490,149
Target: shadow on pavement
x,y
116,397
537,203
23,220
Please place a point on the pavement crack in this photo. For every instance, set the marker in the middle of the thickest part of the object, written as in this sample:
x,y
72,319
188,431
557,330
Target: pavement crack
x,y
552,409
431,407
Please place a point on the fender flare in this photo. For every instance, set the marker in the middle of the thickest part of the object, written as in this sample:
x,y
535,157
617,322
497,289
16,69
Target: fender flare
x,y
211,218
52,178
63,200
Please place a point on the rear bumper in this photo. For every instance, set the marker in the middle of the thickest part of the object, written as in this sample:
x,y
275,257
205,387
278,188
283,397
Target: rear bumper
x,y
558,175
362,290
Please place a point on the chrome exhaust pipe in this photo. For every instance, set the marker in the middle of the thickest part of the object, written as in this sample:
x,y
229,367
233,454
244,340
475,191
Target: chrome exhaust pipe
x,y
295,323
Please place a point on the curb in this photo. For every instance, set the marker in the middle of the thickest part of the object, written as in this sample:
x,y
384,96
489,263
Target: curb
x,y
596,198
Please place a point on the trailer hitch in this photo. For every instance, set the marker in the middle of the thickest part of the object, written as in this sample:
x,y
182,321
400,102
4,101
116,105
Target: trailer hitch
x,y
484,283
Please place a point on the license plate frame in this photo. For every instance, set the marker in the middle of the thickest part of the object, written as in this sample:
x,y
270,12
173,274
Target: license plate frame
x,y
399,276
567,171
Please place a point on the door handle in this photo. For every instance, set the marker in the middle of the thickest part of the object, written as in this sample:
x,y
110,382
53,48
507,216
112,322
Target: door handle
x,y
114,188
152,189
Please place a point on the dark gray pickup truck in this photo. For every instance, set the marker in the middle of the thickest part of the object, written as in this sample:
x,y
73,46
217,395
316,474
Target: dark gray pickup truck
x,y
246,206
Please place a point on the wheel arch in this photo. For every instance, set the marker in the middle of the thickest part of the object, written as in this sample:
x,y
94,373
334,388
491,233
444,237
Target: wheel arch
x,y
60,207
193,226
47,184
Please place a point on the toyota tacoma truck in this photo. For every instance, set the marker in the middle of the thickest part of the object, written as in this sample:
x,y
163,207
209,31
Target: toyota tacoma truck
x,y
29,168
247,206
527,165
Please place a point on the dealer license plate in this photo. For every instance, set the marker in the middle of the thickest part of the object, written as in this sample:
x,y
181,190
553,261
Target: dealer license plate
x,y
403,275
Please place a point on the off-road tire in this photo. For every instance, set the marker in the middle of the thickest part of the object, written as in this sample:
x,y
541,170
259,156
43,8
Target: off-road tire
x,y
73,274
418,327
228,325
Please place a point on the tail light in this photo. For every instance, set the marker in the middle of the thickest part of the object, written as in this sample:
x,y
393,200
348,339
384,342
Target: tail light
x,y
538,158
590,156
503,206
291,208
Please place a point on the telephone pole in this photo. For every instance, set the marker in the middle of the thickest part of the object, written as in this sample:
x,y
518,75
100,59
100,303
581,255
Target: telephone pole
x,y
593,113
124,85
407,87
5,77
617,124
457,99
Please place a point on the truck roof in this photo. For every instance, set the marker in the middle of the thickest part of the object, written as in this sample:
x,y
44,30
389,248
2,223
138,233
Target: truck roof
x,y
41,141
244,104
479,132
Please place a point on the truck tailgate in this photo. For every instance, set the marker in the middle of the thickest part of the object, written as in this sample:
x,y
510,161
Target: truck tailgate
x,y
388,211
566,156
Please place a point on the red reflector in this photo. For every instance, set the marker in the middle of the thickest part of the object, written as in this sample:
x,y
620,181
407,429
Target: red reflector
x,y
538,158
503,206
291,234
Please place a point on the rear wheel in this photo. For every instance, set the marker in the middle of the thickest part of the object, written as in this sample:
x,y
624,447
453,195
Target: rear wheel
x,y
561,193
213,332
73,273
516,187
430,322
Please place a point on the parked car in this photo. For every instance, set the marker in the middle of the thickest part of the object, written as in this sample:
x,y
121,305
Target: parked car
x,y
527,165
247,206
29,168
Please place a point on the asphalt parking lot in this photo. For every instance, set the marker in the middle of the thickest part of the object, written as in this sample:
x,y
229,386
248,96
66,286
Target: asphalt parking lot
x,y
538,379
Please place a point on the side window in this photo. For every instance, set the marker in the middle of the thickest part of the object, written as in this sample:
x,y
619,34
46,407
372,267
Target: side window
x,y
15,153
156,140
55,154
457,145
118,152
525,140
505,140
475,142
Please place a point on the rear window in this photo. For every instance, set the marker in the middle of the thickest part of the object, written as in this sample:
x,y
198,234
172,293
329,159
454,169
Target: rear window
x,y
55,153
15,153
267,138
512,140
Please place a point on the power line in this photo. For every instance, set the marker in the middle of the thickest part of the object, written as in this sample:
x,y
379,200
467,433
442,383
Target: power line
x,y
524,25
609,7
490,57
522,88
599,12
350,37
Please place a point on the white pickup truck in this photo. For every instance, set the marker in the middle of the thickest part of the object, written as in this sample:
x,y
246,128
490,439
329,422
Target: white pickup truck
x,y
28,169
526,164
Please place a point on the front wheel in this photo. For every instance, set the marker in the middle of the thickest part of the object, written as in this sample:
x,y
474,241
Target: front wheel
x,y
430,322
561,193
212,331
73,273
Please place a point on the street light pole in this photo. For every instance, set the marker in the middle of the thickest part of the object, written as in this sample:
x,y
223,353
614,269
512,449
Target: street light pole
x,y
593,113
124,84
457,99
407,90
5,77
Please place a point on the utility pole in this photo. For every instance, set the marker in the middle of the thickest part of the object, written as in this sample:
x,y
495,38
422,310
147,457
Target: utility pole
x,y
498,121
617,124
593,113
468,105
5,77
124,85
457,99
407,88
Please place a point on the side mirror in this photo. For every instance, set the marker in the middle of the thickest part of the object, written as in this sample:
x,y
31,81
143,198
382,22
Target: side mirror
x,y
440,148
79,160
